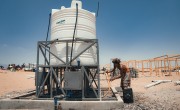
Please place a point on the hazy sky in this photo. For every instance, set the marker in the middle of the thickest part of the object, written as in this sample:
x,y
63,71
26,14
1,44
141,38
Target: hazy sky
x,y
127,29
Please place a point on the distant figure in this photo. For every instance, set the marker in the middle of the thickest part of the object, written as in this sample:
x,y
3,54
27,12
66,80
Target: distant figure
x,y
123,73
18,68
23,65
9,67
134,72
1,67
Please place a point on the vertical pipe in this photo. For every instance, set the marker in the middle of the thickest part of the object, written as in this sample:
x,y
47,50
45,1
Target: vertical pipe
x,y
47,35
61,76
37,70
43,77
74,32
51,82
86,82
67,55
99,90
83,85
49,56
57,74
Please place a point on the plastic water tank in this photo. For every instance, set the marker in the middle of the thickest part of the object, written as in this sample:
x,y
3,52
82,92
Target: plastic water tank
x,y
62,28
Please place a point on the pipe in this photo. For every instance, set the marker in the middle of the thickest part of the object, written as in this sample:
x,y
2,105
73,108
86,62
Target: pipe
x,y
97,12
48,34
74,32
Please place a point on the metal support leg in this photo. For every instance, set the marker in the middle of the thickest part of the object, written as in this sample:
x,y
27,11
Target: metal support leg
x,y
99,90
37,70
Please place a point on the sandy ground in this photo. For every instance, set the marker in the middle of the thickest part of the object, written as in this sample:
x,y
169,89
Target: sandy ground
x,y
165,96
15,82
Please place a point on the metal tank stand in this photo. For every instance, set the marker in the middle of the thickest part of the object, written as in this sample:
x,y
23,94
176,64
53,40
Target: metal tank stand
x,y
52,80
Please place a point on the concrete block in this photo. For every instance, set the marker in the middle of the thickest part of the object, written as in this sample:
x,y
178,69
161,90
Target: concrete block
x,y
26,104
64,105
91,105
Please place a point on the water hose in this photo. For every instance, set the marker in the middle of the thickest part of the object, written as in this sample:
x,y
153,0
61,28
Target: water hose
x,y
74,32
49,23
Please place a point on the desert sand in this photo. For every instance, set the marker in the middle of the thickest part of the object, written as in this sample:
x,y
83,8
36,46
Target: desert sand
x,y
14,83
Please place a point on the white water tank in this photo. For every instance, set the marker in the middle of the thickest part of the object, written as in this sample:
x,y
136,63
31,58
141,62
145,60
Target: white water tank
x,y
62,28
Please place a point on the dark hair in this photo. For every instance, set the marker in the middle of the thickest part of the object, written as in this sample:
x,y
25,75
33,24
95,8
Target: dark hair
x,y
116,60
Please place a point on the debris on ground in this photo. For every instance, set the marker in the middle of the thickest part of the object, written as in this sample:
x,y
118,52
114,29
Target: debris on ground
x,y
156,82
177,83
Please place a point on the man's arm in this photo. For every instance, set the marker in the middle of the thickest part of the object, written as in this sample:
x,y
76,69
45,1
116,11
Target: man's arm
x,y
111,70
116,77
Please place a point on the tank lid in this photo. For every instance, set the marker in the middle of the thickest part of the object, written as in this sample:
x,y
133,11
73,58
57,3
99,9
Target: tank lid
x,y
62,7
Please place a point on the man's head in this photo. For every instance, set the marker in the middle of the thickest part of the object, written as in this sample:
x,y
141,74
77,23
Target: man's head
x,y
116,61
